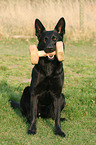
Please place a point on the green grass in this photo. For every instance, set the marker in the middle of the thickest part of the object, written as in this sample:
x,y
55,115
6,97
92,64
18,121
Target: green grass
x,y
79,89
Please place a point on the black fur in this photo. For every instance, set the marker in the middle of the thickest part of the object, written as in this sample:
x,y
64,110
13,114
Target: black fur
x,y
14,104
44,96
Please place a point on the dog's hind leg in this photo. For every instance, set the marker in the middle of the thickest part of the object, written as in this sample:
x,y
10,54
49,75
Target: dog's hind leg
x,y
33,111
25,103
57,107
63,104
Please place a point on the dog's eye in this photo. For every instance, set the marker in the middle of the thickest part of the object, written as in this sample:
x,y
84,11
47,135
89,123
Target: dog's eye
x,y
54,38
45,39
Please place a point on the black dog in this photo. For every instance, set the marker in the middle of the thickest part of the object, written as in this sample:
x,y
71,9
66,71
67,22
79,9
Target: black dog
x,y
44,96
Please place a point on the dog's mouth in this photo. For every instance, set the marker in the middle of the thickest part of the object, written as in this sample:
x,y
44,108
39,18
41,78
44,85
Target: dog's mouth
x,y
51,57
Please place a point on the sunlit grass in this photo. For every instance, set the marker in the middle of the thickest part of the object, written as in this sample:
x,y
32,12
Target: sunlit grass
x,y
18,17
79,89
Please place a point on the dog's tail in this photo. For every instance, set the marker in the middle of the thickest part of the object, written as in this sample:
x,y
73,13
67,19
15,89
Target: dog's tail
x,y
14,104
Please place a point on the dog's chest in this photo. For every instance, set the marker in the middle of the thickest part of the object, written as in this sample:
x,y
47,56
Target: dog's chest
x,y
48,68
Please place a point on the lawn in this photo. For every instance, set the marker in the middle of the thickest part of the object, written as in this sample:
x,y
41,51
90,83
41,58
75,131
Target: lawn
x,y
79,89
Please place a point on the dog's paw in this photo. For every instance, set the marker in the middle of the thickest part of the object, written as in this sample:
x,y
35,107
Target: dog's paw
x,y
32,132
60,132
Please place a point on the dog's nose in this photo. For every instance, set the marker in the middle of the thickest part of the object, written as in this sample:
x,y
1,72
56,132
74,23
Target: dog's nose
x,y
49,49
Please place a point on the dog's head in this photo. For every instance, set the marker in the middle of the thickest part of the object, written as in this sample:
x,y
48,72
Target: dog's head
x,y
48,39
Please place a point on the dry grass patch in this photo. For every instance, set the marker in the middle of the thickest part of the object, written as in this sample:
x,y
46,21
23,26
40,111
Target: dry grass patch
x,y
17,17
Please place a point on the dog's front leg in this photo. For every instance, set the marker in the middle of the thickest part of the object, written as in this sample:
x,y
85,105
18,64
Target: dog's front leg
x,y
57,107
33,111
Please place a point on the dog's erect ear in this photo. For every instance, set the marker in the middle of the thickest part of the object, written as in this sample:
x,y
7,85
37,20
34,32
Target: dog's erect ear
x,y
60,27
39,28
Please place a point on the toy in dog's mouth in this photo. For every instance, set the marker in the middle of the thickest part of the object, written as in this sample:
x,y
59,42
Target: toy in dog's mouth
x,y
51,57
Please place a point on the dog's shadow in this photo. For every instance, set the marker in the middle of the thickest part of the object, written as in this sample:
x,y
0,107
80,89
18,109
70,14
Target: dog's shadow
x,y
11,94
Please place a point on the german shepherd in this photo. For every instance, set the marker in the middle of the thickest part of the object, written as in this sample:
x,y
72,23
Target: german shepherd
x,y
44,98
